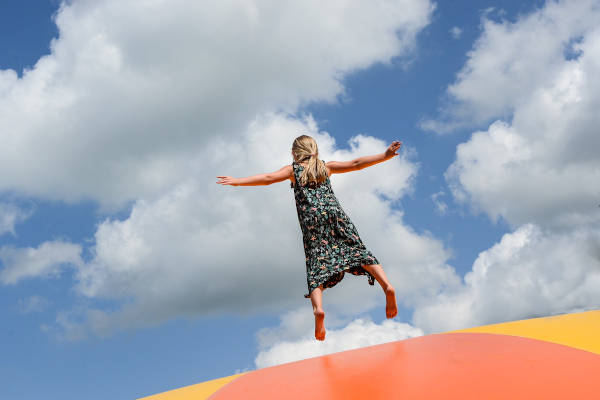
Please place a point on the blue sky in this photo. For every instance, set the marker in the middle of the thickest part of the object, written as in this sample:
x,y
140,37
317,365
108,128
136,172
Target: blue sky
x,y
115,136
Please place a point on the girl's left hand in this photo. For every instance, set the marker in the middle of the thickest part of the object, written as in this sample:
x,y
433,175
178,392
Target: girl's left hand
x,y
391,151
227,180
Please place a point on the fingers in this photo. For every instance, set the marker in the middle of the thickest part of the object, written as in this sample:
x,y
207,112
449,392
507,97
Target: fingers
x,y
227,180
394,147
223,180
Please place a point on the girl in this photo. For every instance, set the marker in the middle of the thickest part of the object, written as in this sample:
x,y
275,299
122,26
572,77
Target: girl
x,y
332,245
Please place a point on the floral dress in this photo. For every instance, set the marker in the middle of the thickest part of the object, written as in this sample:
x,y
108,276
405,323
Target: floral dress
x,y
332,245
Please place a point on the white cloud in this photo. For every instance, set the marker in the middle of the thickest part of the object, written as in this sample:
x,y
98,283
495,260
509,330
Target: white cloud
x,y
10,215
47,259
542,166
129,96
537,168
456,32
511,61
503,173
441,208
530,272
358,333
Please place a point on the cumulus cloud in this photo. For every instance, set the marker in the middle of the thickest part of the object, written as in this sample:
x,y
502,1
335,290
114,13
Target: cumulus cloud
x,y
129,96
536,166
541,166
48,259
356,334
10,215
204,248
511,61
530,272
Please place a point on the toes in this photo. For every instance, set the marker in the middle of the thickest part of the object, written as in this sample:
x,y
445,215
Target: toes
x,y
391,312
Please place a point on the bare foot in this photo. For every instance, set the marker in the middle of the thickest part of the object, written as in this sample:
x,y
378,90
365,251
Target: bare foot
x,y
391,309
319,326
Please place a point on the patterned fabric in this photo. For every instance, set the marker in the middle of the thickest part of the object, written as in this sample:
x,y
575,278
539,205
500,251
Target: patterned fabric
x,y
332,245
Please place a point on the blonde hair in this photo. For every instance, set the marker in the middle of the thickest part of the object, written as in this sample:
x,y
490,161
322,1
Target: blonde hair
x,y
305,148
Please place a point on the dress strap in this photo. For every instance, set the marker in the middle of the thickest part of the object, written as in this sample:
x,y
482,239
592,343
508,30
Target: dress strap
x,y
294,167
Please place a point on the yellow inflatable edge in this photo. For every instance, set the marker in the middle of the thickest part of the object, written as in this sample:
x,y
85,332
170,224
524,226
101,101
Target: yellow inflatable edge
x,y
579,330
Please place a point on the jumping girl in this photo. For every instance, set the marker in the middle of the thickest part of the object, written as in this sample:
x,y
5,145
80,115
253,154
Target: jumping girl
x,y
332,245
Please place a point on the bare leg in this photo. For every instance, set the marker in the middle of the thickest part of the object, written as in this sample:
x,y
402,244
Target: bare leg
x,y
316,297
391,309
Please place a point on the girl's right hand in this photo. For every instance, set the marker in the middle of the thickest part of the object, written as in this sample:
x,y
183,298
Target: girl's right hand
x,y
227,180
391,151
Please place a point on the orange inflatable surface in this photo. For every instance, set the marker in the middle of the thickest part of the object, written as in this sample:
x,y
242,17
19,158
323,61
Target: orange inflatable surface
x,y
514,360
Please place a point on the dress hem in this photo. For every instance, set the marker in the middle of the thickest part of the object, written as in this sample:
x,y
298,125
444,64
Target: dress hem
x,y
353,269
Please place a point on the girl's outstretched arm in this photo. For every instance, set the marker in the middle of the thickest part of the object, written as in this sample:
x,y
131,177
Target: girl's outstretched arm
x,y
339,167
260,179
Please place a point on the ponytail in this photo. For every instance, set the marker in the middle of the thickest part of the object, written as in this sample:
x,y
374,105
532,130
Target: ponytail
x,y
315,173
